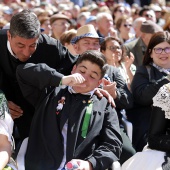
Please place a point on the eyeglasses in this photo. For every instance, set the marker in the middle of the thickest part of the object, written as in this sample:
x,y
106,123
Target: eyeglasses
x,y
127,25
113,48
160,50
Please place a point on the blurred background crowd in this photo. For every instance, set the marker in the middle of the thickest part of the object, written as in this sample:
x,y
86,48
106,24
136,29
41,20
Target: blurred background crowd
x,y
109,17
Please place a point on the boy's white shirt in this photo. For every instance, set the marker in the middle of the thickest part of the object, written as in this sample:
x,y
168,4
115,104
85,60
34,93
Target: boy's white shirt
x,y
64,130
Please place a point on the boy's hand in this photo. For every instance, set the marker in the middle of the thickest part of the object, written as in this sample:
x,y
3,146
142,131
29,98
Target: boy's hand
x,y
129,60
82,165
73,80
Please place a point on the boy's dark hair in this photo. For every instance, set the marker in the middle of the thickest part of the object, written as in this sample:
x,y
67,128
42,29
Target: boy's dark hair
x,y
95,57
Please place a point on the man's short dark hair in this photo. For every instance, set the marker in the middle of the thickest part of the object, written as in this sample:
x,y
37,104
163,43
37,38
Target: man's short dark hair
x,y
95,57
25,24
145,8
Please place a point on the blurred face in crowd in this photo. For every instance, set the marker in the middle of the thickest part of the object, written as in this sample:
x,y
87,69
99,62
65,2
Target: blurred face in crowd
x,y
82,20
149,15
119,13
47,27
161,55
146,37
105,24
85,44
21,47
126,26
137,25
113,52
59,26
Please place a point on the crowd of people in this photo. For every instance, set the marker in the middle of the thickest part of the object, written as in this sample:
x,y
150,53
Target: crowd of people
x,y
69,71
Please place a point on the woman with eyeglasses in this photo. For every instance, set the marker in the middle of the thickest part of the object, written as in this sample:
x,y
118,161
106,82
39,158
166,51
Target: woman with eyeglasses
x,y
125,30
115,56
156,155
113,52
153,74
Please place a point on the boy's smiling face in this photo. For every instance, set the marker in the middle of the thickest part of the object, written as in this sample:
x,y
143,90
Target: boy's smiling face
x,y
92,74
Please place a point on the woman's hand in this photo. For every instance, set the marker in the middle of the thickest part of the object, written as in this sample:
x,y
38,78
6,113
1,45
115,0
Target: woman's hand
x,y
110,87
129,60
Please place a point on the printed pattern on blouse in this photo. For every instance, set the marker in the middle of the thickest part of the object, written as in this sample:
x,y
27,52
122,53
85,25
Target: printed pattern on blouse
x,y
3,106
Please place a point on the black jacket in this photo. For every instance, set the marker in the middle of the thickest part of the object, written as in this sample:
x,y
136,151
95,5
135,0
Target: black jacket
x,y
145,85
48,51
51,52
103,143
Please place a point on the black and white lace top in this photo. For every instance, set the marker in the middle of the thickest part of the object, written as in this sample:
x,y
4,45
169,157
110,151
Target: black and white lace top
x,y
162,99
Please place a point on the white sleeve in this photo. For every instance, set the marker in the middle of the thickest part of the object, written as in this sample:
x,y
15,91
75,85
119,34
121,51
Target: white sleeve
x,y
6,122
6,126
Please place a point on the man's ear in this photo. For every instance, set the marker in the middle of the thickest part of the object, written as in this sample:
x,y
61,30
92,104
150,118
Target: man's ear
x,y
8,35
73,70
75,46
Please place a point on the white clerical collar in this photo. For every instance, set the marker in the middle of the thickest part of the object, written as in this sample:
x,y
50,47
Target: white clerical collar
x,y
71,90
10,50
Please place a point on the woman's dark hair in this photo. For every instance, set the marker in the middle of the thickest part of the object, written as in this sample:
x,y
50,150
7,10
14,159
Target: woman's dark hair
x,y
157,38
120,21
106,40
67,36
